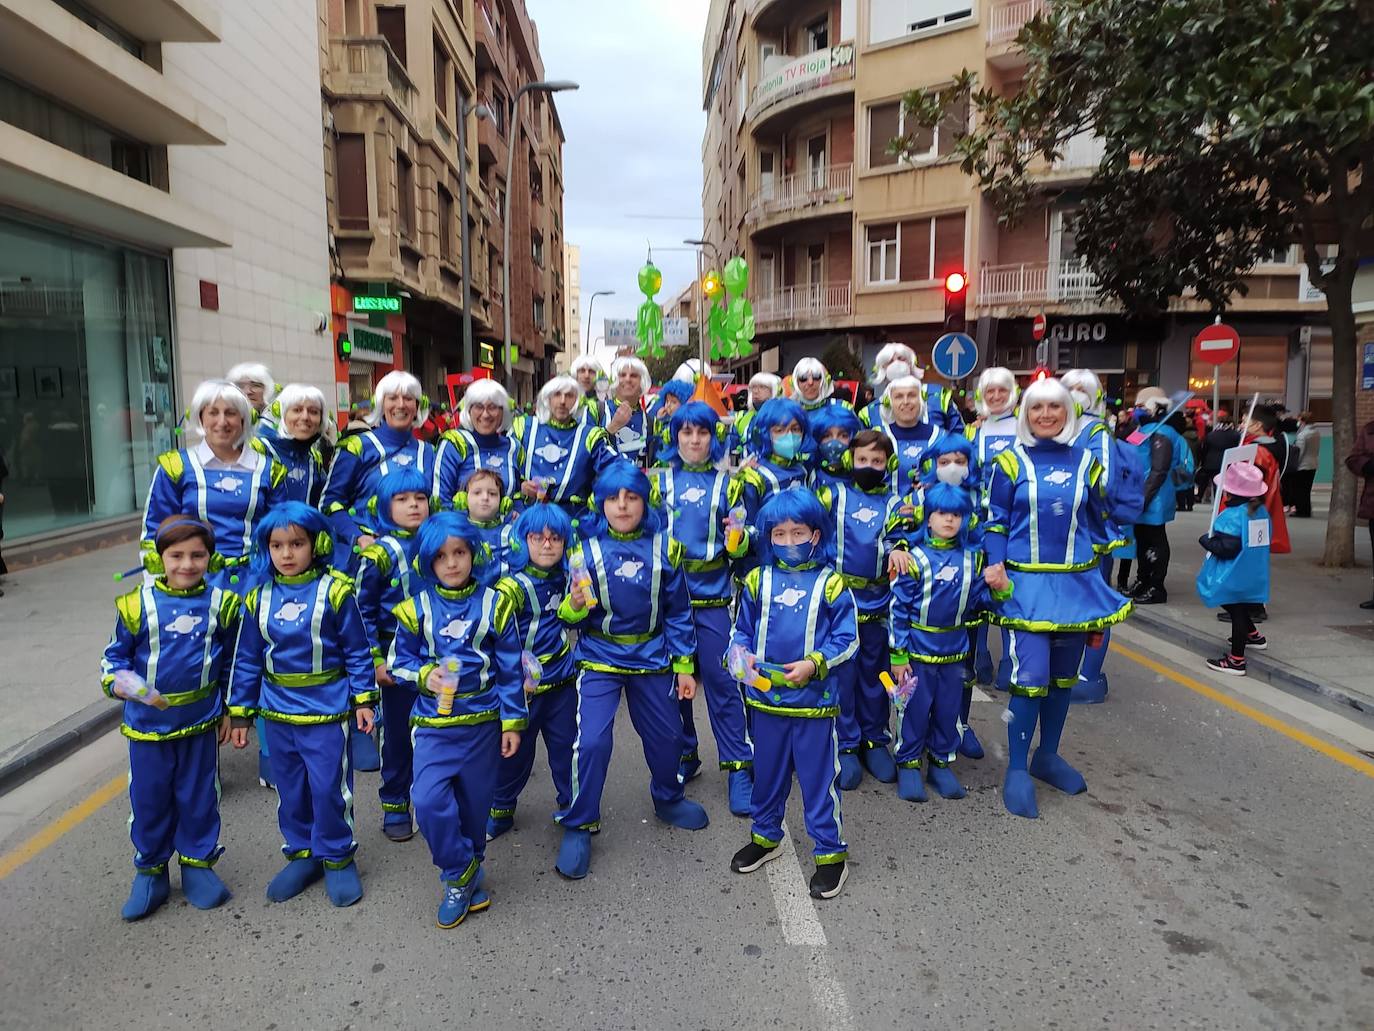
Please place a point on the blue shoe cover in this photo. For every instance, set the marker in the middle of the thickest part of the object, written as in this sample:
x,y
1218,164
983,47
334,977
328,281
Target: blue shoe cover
x,y
454,906
202,887
945,783
397,826
265,772
1004,675
344,885
498,825
1053,770
366,758
969,745
684,813
909,785
741,790
574,854
294,878
1018,794
480,901
851,772
149,891
878,761
688,769
1089,692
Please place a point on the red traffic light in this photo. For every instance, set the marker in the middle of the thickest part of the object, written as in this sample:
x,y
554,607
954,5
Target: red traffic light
x,y
1040,373
955,283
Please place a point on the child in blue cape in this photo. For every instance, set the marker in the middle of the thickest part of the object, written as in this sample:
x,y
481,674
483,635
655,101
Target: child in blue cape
x,y
1235,574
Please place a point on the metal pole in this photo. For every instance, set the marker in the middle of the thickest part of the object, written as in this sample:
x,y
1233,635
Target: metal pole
x,y
587,340
463,242
512,134
702,301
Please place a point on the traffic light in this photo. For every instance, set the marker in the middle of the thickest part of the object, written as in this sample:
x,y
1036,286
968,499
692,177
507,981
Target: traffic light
x,y
710,284
956,302
344,346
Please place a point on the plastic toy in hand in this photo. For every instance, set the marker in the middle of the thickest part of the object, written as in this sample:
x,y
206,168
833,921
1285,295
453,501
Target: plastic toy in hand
x,y
534,671
900,691
582,577
734,528
130,686
741,666
444,683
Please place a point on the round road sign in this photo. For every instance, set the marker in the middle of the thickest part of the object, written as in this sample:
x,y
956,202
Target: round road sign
x,y
1216,344
1038,327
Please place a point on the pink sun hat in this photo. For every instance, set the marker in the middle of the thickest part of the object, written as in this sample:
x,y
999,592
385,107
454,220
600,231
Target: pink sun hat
x,y
1243,479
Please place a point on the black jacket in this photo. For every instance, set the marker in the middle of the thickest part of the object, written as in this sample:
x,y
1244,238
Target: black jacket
x,y
1215,444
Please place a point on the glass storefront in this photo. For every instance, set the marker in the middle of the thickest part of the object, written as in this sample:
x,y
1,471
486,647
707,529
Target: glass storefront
x,y
86,399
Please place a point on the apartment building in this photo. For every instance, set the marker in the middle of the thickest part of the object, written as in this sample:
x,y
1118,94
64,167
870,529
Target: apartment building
x,y
848,243
572,304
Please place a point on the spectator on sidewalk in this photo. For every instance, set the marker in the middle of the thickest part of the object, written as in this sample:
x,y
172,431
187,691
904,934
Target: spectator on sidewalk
x,y
1271,458
1235,574
1222,436
1186,428
1360,461
1309,453
1166,454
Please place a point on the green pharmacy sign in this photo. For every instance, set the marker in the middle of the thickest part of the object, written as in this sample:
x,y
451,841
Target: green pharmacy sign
x,y
388,304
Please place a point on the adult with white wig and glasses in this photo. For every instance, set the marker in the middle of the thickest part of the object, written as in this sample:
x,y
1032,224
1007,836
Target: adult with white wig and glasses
x,y
562,454
255,380
296,443
628,424
1044,534
482,440
763,387
897,361
812,386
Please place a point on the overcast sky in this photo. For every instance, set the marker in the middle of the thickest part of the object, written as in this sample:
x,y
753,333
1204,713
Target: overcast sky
x,y
634,134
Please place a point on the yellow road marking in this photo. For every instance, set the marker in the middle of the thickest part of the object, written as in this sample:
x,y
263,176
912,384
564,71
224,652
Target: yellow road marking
x,y
1331,751
53,832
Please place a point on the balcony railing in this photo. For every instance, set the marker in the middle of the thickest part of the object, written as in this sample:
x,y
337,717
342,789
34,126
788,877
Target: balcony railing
x,y
1046,281
788,78
824,184
808,301
1005,19
365,66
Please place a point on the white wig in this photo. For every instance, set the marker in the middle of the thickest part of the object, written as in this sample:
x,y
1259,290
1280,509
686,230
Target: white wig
x,y
294,394
396,382
887,355
996,376
1046,390
765,379
255,372
690,370
812,366
1086,389
557,385
486,392
213,390
586,361
628,361
903,383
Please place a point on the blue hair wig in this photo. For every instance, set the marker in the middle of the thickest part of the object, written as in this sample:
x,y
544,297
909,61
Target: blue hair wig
x,y
439,528
674,388
279,517
797,506
778,412
945,497
949,444
829,417
539,519
624,475
702,415
404,480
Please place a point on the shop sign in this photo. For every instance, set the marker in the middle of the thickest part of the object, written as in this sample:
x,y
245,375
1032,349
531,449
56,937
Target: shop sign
x,y
1079,331
385,304
370,346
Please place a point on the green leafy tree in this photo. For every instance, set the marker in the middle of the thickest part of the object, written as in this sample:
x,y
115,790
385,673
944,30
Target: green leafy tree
x,y
841,362
1232,128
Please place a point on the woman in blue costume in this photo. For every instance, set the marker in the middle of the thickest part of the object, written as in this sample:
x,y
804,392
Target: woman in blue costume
x,y
1046,528
255,380
483,441
295,442
563,453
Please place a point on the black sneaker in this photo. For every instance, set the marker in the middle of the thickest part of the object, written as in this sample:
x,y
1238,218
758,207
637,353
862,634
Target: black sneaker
x,y
1256,640
752,856
1152,596
1223,616
827,881
1259,614
1228,664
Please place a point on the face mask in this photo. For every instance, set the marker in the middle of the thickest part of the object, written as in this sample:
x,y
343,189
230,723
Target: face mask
x,y
951,474
795,554
832,450
870,479
787,445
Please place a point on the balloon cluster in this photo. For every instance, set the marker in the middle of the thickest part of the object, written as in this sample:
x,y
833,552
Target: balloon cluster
x,y
730,317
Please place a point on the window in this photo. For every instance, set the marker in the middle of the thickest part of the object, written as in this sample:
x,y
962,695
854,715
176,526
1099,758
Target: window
x,y
537,249
766,174
539,313
888,121
766,52
893,19
815,162
931,247
491,10
405,195
440,76
882,253
445,225
497,107
742,93
391,25
816,36
350,180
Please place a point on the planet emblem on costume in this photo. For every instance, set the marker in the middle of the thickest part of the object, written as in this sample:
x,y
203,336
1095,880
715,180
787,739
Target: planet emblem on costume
x,y
552,606
1059,477
296,474
289,612
551,452
999,443
183,624
946,575
493,461
629,569
866,515
456,629
693,494
912,451
403,460
791,597
228,484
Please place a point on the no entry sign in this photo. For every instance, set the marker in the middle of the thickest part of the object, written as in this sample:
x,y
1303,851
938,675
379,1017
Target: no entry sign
x,y
1216,344
1038,327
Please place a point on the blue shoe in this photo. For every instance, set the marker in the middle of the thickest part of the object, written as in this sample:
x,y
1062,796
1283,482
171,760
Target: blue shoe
x,y
688,769
1004,675
480,901
574,854
498,825
149,891
1018,794
202,887
909,785
945,783
741,790
1089,692
366,758
294,878
397,827
969,745
684,813
454,907
878,761
1053,770
265,773
344,885
851,772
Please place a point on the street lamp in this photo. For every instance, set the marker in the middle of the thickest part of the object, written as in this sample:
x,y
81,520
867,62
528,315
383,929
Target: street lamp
x,y
464,242
591,304
512,134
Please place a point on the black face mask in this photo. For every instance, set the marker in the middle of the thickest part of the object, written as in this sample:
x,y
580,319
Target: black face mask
x,y
870,479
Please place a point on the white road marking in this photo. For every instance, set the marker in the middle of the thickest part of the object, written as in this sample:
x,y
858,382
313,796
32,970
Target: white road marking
x,y
979,695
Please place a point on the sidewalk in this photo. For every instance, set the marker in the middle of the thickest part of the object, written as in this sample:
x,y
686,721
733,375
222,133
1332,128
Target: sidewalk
x,y
1319,638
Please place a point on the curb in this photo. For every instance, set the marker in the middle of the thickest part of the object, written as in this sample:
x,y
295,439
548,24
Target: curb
x,y
49,747
1271,671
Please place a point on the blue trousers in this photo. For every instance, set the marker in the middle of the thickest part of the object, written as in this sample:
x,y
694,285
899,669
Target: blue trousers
x,y
397,751
455,775
653,704
1093,658
174,798
554,715
724,699
982,671
314,789
1042,661
930,721
810,748
864,705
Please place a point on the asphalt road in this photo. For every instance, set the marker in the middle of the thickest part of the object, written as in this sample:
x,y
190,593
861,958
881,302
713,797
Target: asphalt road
x,y
1216,874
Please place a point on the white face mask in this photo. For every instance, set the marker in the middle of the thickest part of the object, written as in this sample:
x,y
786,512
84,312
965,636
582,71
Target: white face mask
x,y
1081,398
954,475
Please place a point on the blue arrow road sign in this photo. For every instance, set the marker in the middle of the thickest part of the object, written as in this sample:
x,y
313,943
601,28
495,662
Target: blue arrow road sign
x,y
955,355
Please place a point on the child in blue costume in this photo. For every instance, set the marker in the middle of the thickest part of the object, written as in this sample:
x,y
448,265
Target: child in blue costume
x,y
491,513
302,663
483,441
635,636
695,496
777,463
457,643
174,637
795,624
1046,526
563,452
295,442
1235,574
934,606
671,397
831,428
862,511
385,578
536,585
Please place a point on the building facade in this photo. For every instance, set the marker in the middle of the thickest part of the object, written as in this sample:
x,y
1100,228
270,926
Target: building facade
x,y
572,285
848,243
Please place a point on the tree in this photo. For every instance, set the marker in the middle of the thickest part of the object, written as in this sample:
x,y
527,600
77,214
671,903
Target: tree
x,y
841,362
1231,127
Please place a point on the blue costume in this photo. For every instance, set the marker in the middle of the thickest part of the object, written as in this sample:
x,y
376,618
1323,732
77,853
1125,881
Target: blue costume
x,y
775,467
359,465
568,456
939,410
1236,571
462,452
305,472
830,466
909,443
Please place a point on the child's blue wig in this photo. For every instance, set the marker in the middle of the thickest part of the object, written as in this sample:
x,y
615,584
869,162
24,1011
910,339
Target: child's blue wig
x,y
624,475
702,415
798,506
405,480
778,412
439,528
673,388
949,444
539,519
945,497
829,417
279,517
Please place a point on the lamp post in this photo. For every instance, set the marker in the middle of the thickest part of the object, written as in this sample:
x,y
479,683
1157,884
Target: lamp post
x,y
701,306
512,135
464,242
590,305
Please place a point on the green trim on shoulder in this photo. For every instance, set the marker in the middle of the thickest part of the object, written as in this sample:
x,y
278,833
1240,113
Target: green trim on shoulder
x,y
172,464
130,609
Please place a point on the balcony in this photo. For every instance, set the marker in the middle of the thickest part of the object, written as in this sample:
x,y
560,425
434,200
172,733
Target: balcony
x,y
791,84
1036,282
809,302
163,21
819,191
1004,24
1080,155
364,67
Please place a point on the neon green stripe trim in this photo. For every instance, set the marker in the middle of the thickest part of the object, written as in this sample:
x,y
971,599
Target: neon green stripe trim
x,y
759,839
861,582
643,638
202,864
395,807
303,853
555,686
1044,626
822,667
831,858
242,712
466,719
151,871
699,565
327,676
941,629
1054,567
872,617
366,698
1027,692
710,603
338,864
170,735
910,764
605,667
467,874
514,726
827,712
302,719
738,764
1063,683
501,814
937,660
684,664
1107,549
189,697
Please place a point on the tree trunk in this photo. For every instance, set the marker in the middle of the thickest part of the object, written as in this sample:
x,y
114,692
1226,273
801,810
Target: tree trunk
x,y
1340,522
